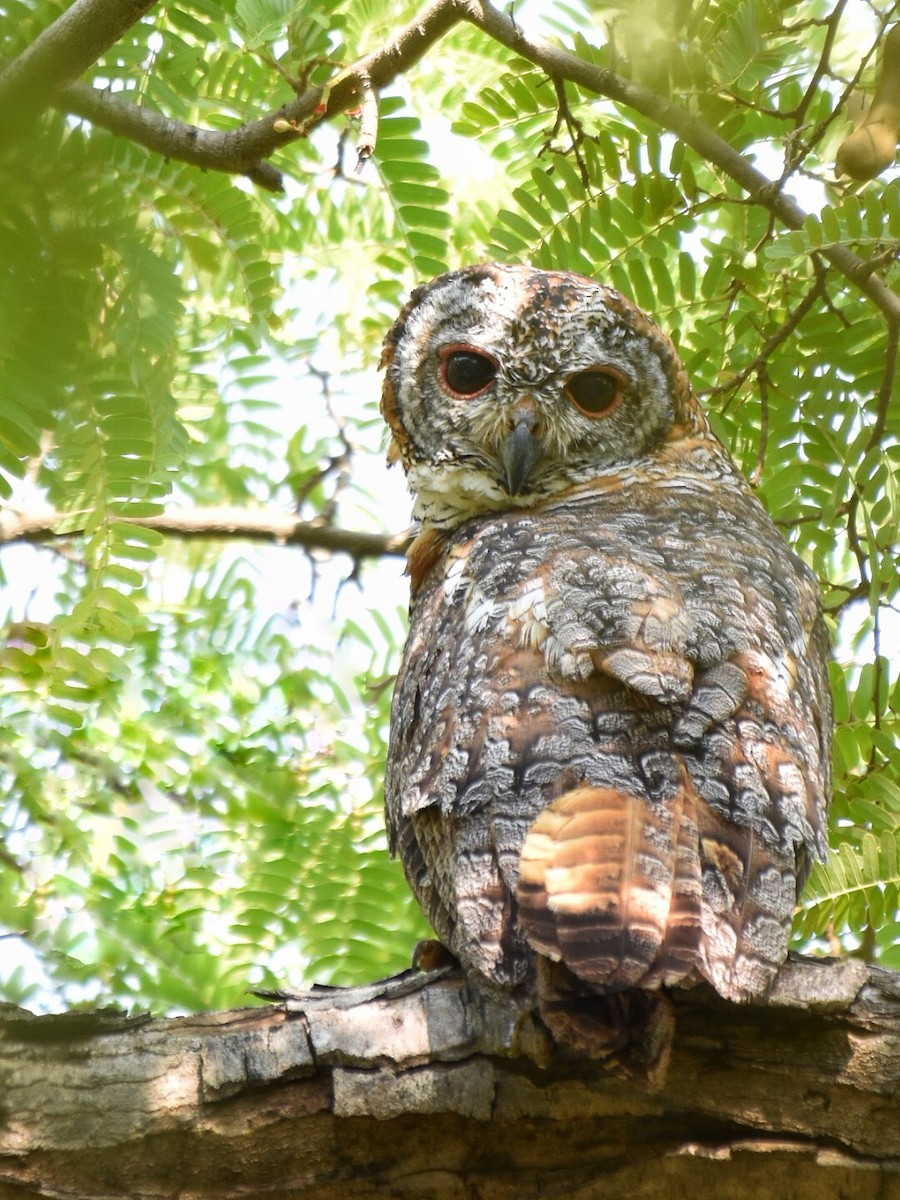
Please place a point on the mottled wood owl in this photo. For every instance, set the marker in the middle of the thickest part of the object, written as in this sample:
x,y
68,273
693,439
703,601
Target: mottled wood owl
x,y
610,732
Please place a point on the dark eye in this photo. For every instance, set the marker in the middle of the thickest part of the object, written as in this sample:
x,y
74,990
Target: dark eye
x,y
595,392
466,372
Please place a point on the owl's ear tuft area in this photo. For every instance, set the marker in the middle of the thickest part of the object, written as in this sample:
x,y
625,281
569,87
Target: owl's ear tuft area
x,y
397,330
399,446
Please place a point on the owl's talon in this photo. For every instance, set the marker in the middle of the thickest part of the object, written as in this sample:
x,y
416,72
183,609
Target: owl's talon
x,y
432,955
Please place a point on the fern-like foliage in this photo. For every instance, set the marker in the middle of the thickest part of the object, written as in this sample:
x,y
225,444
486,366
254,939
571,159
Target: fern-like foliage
x,y
192,748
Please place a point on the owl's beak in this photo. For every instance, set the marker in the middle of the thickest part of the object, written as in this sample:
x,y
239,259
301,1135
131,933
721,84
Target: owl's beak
x,y
520,451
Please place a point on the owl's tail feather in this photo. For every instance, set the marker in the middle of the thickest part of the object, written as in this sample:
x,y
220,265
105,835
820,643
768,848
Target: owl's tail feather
x,y
749,892
610,886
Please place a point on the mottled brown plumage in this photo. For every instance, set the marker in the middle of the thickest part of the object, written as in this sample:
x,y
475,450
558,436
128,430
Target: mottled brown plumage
x,y
610,732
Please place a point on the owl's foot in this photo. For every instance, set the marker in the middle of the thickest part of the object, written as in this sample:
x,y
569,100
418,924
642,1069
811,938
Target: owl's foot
x,y
630,1032
432,955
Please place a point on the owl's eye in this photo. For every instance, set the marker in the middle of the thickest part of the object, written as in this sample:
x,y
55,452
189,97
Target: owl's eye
x,y
595,392
465,371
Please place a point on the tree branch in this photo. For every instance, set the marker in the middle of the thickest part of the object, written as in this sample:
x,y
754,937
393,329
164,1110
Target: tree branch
x,y
713,149
58,56
267,525
832,22
242,150
428,1089
171,139
887,389
781,335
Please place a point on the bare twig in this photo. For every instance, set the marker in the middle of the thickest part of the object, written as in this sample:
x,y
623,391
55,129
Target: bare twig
x,y
781,335
831,22
565,116
267,525
338,466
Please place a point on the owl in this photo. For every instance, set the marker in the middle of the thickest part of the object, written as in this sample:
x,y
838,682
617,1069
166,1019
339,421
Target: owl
x,y
609,748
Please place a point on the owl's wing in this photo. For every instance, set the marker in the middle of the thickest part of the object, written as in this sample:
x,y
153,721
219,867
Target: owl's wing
x,y
627,886
450,801
607,612
613,765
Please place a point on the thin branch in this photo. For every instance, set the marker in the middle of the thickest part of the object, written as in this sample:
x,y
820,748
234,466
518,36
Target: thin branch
x,y
886,390
266,525
762,379
242,150
565,116
832,22
839,106
781,334
713,149
62,52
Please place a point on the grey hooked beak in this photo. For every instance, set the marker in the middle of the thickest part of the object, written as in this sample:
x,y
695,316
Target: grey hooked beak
x,y
521,450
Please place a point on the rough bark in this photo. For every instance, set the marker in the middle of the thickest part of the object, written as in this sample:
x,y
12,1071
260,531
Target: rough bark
x,y
437,1093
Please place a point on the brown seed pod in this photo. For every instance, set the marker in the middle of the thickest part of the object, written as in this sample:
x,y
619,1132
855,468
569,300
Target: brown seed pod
x,y
872,147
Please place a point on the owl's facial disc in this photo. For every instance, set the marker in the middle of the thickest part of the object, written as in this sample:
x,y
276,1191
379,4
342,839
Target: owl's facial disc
x,y
507,386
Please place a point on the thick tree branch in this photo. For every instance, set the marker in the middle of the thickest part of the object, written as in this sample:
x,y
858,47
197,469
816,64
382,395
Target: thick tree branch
x,y
713,149
171,139
438,1093
242,150
58,56
266,525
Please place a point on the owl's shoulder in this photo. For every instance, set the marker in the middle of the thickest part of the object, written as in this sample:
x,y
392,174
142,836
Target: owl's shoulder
x,y
672,523
645,580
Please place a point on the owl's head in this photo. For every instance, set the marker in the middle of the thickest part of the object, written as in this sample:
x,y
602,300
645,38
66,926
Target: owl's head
x,y
506,386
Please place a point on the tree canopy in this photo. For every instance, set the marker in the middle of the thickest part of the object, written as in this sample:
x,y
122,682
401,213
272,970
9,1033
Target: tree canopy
x,y
210,215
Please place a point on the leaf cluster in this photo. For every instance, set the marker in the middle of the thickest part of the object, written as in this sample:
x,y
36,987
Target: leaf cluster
x,y
193,732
